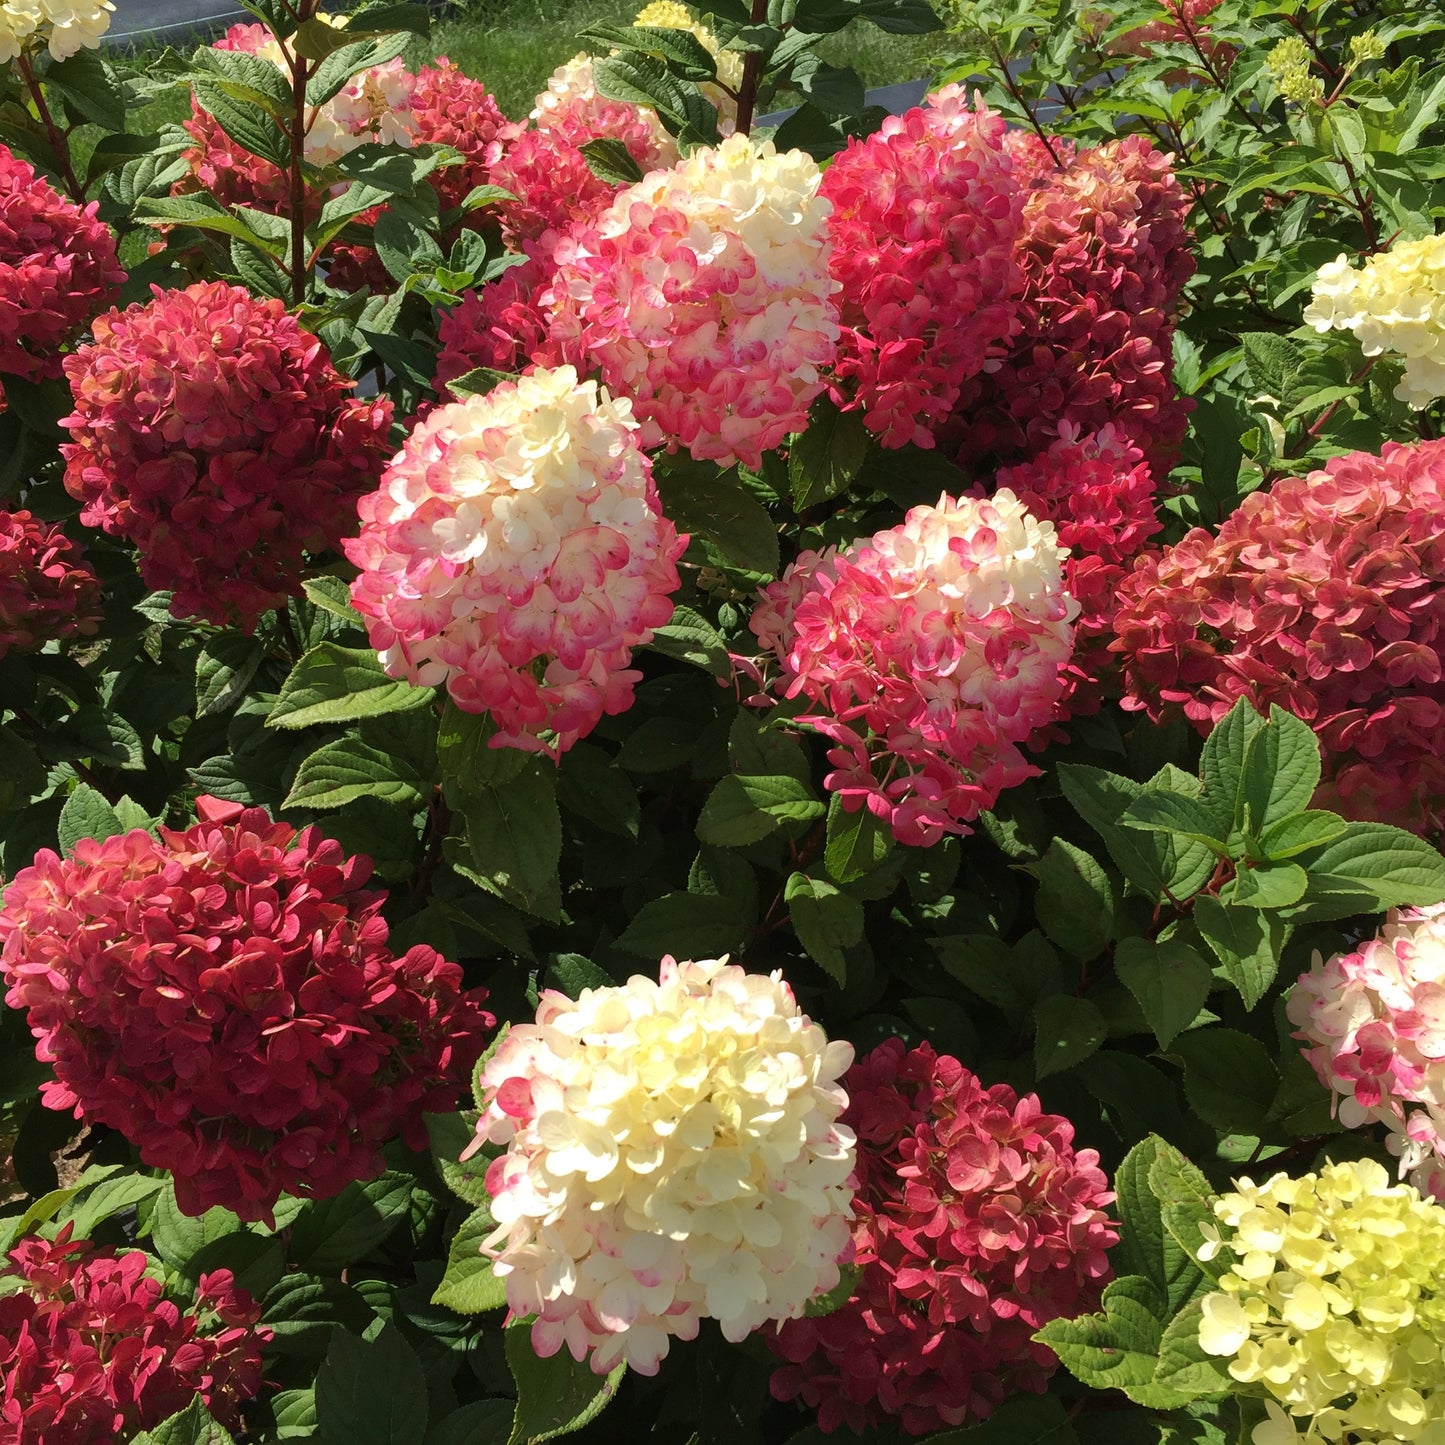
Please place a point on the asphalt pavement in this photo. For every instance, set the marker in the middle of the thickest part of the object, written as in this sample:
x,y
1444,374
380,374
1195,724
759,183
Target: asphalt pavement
x,y
170,20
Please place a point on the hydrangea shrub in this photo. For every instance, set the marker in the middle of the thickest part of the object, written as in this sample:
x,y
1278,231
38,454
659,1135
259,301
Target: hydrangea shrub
x,y
690,762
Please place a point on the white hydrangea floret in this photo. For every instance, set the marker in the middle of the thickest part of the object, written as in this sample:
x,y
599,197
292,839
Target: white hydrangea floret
x,y
673,1152
66,26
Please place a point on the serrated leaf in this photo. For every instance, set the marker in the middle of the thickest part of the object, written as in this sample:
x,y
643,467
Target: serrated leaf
x,y
469,1286
224,669
1394,867
1300,832
824,459
195,1425
838,1296
1183,1365
701,500
1075,902
372,1391
1247,942
450,1135
1158,811
86,814
339,684
1281,772
330,1234
1271,885
857,842
514,832
478,381
348,769
1170,981
826,920
1229,1078
1119,1347
687,925
555,1396
345,53
1066,1031
689,637
609,160
743,808
1225,752
1146,1246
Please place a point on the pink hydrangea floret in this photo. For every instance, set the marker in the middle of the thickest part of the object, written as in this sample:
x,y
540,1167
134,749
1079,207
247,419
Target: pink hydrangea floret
x,y
926,216
1374,1021
517,552
976,1223
1323,595
225,998
47,590
927,653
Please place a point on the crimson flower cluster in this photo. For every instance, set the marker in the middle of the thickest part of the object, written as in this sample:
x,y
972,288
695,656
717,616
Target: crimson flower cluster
x,y
976,1223
1323,595
225,998
1105,254
92,1352
926,214
47,591
214,433
58,268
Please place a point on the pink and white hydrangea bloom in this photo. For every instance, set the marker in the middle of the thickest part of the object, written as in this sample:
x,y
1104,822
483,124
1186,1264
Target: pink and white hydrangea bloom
x,y
703,293
929,653
517,552
1375,1023
673,1152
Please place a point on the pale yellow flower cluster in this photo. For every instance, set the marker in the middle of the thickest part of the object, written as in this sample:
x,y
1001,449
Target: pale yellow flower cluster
x,y
673,1153
670,15
1333,1305
1289,67
64,26
1395,302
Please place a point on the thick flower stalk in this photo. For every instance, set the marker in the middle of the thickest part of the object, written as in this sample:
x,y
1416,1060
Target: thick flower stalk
x,y
214,433
1105,255
928,654
225,998
47,591
1331,1305
58,270
1323,595
1394,303
925,222
91,1350
1370,1018
517,552
61,26
1099,492
703,293
976,1222
673,1153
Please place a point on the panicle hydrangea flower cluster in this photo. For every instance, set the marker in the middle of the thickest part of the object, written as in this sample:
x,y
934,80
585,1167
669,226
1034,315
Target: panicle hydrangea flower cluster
x,y
703,293
58,269
673,1153
1395,302
214,433
64,27
1323,595
1181,22
1105,254
976,1223
47,591
225,998
516,550
1332,1305
1098,491
91,1351
1373,1020
502,326
929,653
926,215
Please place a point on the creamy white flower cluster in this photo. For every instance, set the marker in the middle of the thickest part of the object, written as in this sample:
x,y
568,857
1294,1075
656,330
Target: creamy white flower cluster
x,y
64,26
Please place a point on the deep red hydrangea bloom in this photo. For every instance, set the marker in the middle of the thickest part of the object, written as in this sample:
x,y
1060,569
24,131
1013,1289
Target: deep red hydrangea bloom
x,y
976,1223
46,590
926,214
92,1352
1099,492
58,269
1105,255
505,324
215,434
226,999
1324,595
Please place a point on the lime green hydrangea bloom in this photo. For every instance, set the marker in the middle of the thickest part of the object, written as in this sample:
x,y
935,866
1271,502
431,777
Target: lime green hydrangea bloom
x,y
1334,1306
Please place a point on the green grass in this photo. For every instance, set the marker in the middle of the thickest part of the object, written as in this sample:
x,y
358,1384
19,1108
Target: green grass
x,y
513,47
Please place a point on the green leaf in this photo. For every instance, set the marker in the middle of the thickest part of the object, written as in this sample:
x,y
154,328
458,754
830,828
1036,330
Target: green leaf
x,y
176,1237
107,1199
1159,811
89,88
700,499
683,49
1299,833
826,921
1145,1245
514,831
478,381
1277,885
1226,750
838,1296
337,684
1170,980
688,925
195,1425
330,1234
205,213
465,753
224,669
450,1135
1119,1347
1183,1365
857,842
483,1422
691,638
1281,772
371,1392
1066,1031
743,809
1394,867
555,1396
609,160
1229,1078
643,80
343,771
1075,902
86,814
469,1286
1186,1200
342,53
1246,940
824,459
246,123
1020,1420
1272,361
592,785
